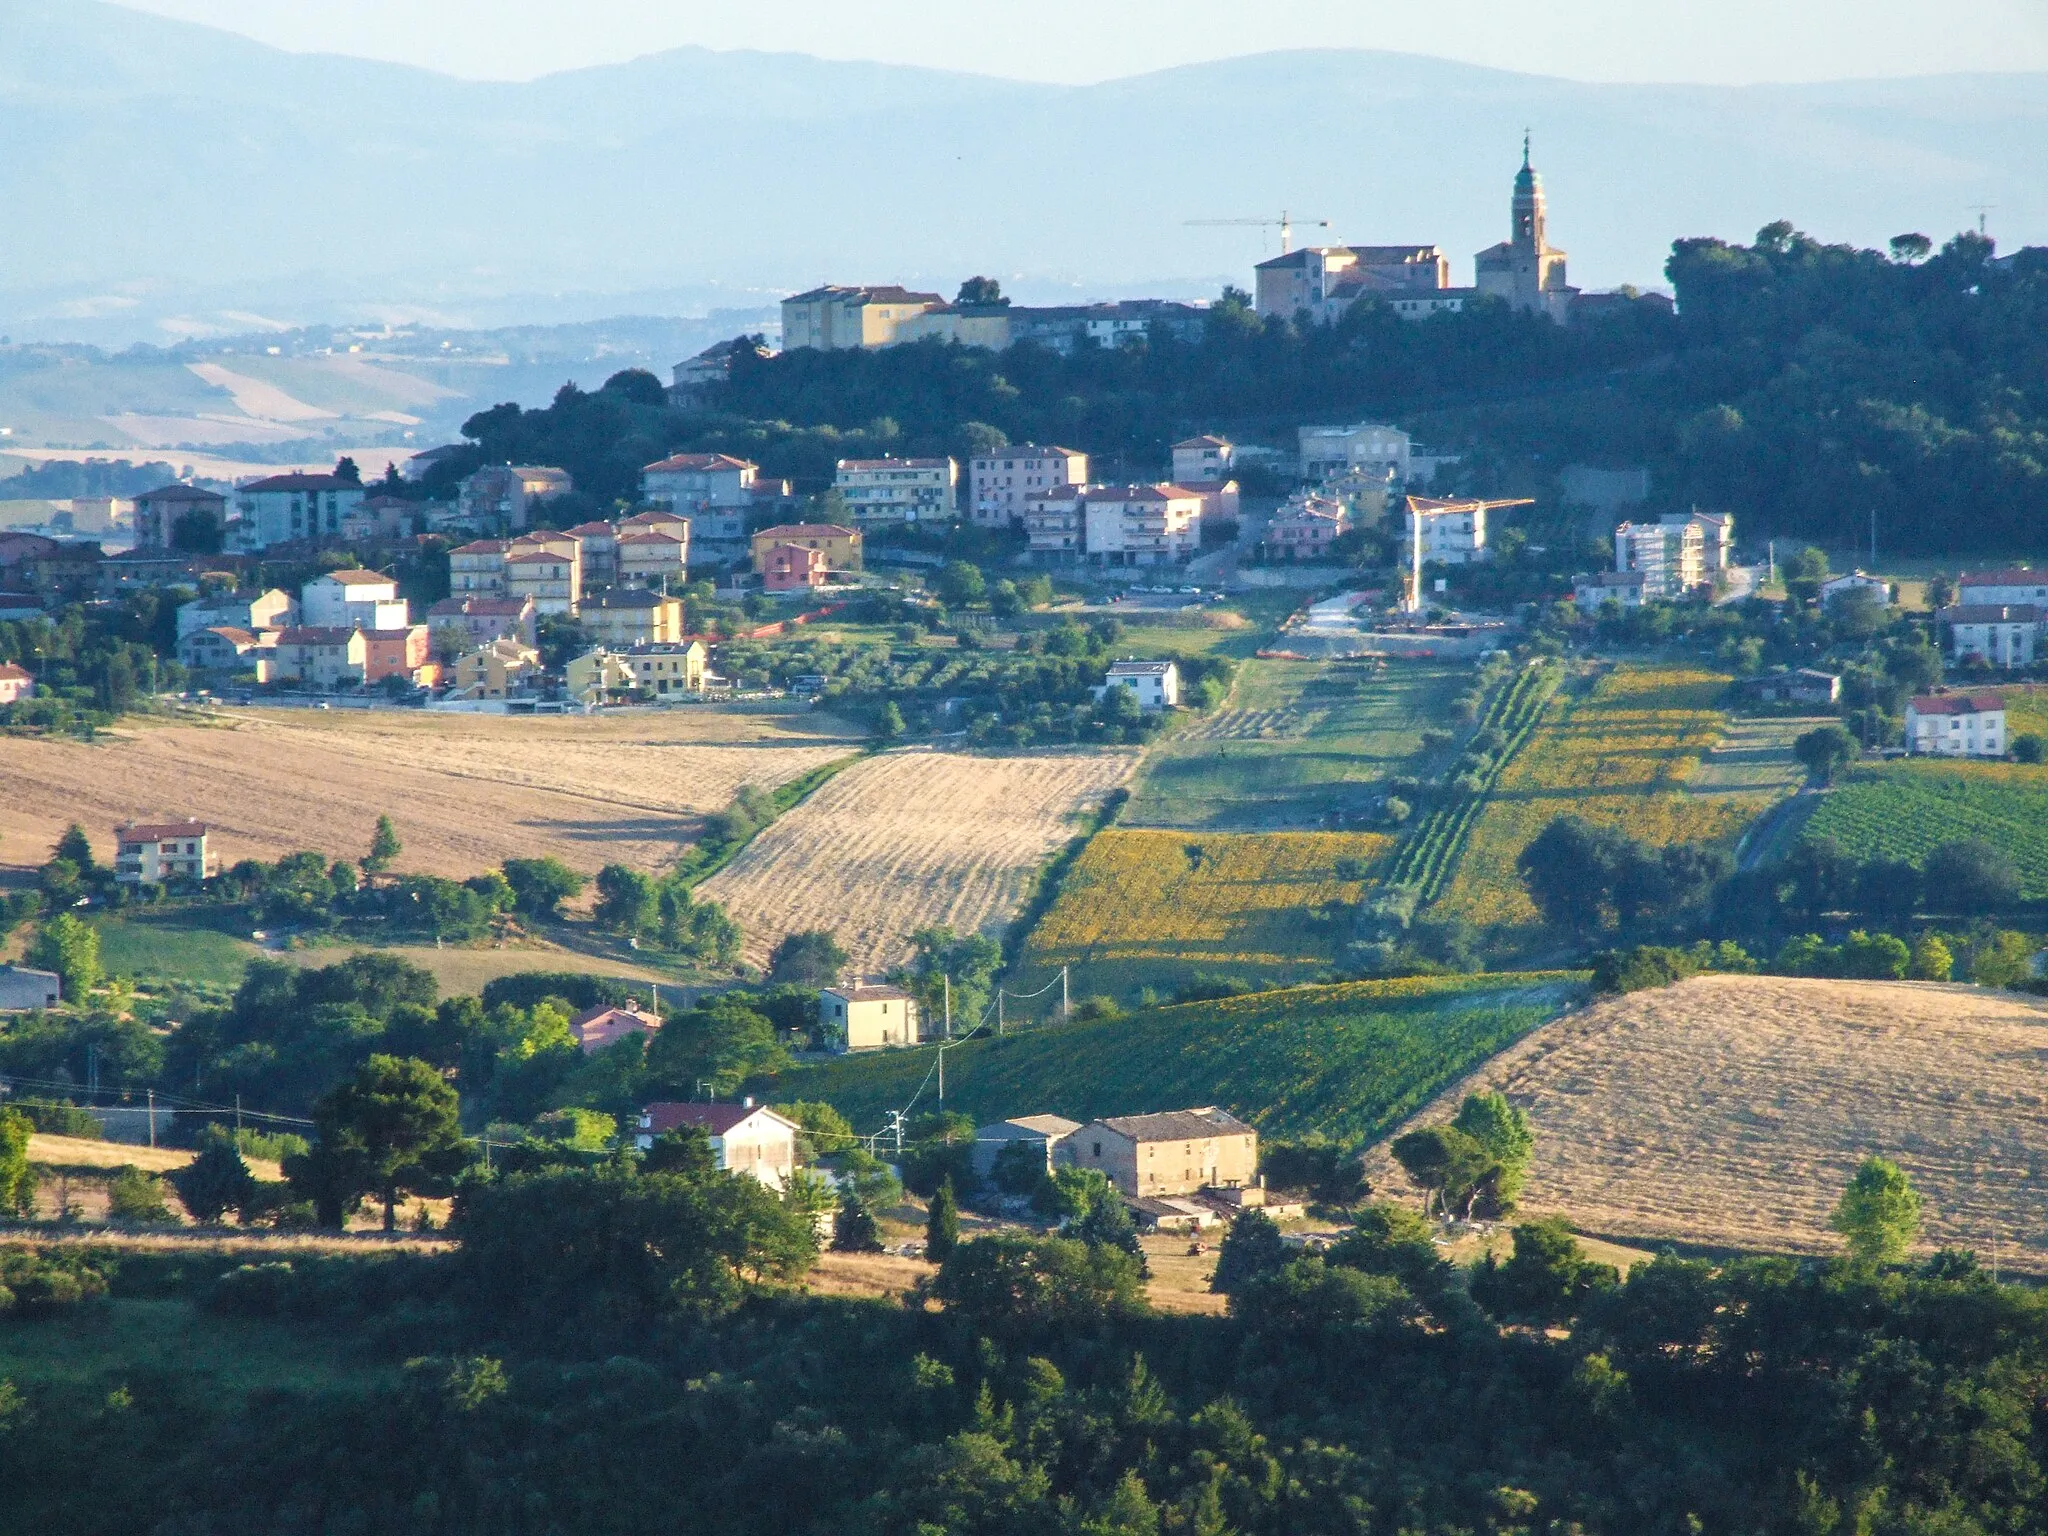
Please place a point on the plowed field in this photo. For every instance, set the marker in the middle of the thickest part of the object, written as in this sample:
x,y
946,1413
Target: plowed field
x,y
908,840
1730,1111
466,791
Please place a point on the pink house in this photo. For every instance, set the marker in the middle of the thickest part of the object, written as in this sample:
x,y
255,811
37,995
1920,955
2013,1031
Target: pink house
x,y
15,684
790,566
601,1027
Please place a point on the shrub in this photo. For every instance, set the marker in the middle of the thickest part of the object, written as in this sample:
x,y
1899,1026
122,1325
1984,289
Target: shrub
x,y
43,1284
52,1117
1016,1285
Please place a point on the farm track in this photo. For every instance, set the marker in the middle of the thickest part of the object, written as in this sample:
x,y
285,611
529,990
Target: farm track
x,y
1729,1111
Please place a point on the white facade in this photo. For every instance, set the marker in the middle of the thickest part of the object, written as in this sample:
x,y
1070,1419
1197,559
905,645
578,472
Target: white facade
x,y
1453,534
2003,635
245,610
1052,525
1155,683
1669,555
1200,459
998,483
352,600
859,1018
1956,725
1984,588
151,853
1379,451
505,493
897,490
745,1139
1857,581
712,492
281,508
1141,524
1623,587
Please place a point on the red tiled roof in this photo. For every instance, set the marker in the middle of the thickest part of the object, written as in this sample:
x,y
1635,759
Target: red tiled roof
x,y
159,831
859,464
180,493
356,578
2012,576
807,531
480,547
532,556
10,673
699,461
650,536
592,530
1957,703
652,519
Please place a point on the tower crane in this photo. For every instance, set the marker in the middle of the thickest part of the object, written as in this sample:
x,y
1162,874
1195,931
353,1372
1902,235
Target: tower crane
x,y
1285,224
1421,509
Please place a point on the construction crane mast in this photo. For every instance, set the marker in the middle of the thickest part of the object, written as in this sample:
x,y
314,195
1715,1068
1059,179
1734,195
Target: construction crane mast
x,y
1285,224
1422,509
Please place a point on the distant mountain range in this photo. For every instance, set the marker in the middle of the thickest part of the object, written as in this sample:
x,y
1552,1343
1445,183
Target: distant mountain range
x,y
156,171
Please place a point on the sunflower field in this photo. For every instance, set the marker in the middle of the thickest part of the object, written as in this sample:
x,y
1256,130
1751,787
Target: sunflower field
x,y
1618,755
1155,908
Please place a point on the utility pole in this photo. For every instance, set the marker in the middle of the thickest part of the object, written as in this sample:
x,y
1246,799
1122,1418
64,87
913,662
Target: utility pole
x,y
1873,541
999,1010
1065,1011
949,1034
152,1118
238,1114
942,1076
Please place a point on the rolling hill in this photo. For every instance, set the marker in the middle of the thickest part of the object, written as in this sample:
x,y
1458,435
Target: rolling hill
x,y
154,165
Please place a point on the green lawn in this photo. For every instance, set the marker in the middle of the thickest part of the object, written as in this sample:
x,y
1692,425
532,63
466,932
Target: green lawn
x,y
188,946
104,1341
1350,1060
1295,742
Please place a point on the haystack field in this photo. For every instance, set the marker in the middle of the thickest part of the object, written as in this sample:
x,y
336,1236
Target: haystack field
x,y
466,791
1729,1111
909,840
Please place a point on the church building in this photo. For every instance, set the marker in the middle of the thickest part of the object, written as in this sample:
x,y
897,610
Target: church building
x,y
1526,269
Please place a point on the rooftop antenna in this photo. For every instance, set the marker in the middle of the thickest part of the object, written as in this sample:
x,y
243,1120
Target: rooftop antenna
x,y
1981,210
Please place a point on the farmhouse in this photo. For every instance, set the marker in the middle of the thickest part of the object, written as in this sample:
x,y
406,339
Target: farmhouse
x,y
2001,634
859,1018
1624,587
22,989
1044,1135
149,853
1803,685
1156,684
1174,1153
745,1139
16,683
597,1028
1956,725
1857,581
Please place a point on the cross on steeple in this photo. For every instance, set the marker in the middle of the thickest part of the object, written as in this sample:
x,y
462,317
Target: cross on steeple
x,y
1525,149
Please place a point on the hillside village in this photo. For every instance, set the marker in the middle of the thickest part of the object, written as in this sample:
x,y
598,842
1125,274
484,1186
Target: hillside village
x,y
1334,912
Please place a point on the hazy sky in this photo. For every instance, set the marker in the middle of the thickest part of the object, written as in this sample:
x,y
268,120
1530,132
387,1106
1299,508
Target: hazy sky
x,y
1722,41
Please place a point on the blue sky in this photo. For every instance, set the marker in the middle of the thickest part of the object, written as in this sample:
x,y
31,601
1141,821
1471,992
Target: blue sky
x,y
1074,41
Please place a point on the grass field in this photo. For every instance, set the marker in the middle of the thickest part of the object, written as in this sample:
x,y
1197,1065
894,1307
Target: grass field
x,y
1296,742
910,839
1149,908
1348,1060
1622,754
466,791
1905,810
1729,1111
118,1339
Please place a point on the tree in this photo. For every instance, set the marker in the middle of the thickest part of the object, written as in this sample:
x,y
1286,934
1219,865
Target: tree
x,y
809,958
384,847
1878,1215
2028,748
942,1225
392,1128
854,1229
626,900
1566,870
216,1181
1503,1132
1824,751
686,1150
71,949
1008,1286
1970,876
981,290
17,1179
540,886
889,721
75,846
1251,1248
961,584
1546,1281
1444,1162
1932,959
346,469
1909,249
1804,573
137,1198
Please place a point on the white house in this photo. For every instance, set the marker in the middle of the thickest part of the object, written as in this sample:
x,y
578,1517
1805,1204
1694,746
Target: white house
x,y
1857,581
2014,585
149,853
897,490
1156,683
745,1138
1198,460
241,610
2002,634
1623,587
1956,725
1451,532
1141,524
352,600
712,491
280,508
861,1018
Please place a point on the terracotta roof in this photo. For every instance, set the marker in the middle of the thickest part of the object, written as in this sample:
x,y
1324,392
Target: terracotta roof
x,y
1178,1125
480,547
682,462
886,293
355,578
301,483
592,530
159,831
316,634
10,673
862,464
808,531
874,994
227,632
653,519
1043,1125
1990,613
536,556
658,1119
1957,703
649,537
1204,441
2013,576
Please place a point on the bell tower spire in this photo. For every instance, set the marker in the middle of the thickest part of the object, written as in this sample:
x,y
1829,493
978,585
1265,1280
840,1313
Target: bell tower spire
x,y
1526,212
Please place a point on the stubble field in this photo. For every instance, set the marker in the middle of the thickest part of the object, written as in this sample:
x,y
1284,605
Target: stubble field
x,y
910,840
1729,1111
466,791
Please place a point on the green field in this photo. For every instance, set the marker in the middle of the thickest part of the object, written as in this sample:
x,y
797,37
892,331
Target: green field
x,y
1350,1061
1296,742
173,946
1906,810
